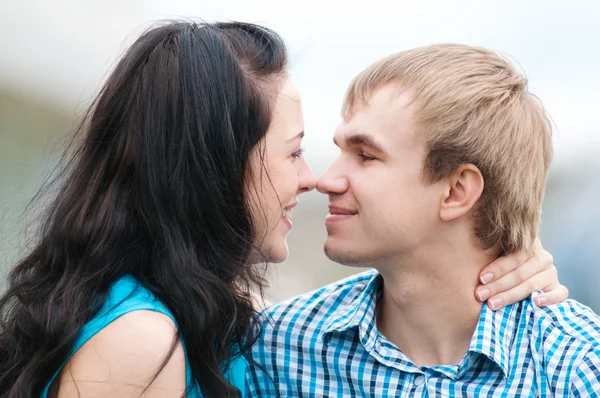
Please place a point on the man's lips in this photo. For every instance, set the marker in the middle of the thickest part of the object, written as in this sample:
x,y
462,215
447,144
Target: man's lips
x,y
337,214
335,210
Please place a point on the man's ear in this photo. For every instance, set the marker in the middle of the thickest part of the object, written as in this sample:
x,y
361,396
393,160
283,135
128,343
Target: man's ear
x,y
464,189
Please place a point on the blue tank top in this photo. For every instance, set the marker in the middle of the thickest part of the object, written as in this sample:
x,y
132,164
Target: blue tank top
x,y
128,295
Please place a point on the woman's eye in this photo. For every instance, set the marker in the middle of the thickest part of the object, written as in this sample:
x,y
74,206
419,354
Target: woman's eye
x,y
298,153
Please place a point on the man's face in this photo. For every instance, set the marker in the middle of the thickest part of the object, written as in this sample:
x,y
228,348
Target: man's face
x,y
380,208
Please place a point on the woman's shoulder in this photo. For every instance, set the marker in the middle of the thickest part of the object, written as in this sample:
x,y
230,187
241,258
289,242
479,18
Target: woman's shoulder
x,y
134,353
129,345
124,299
128,294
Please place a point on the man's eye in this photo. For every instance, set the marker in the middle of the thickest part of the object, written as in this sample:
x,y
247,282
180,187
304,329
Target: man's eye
x,y
366,157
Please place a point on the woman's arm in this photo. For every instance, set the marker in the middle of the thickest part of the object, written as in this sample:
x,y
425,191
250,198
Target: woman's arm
x,y
125,359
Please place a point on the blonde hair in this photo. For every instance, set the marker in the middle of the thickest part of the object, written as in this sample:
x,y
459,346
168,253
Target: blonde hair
x,y
472,106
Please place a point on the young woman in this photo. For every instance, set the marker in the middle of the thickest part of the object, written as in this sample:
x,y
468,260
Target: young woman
x,y
180,181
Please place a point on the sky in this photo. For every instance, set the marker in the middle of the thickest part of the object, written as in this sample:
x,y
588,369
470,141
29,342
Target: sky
x,y
61,50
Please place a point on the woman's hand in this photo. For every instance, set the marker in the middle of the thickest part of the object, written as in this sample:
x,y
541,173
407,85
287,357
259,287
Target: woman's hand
x,y
514,277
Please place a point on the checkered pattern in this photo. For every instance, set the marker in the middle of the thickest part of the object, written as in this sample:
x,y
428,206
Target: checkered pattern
x,y
325,344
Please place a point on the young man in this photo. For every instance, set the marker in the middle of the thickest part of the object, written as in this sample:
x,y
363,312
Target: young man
x,y
443,164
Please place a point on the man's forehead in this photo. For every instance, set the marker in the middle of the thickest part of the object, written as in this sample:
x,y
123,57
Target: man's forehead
x,y
389,100
387,113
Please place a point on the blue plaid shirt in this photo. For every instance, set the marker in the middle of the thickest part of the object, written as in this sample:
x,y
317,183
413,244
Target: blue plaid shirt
x,y
326,344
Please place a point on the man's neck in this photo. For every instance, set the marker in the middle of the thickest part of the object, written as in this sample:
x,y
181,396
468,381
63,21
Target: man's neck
x,y
428,308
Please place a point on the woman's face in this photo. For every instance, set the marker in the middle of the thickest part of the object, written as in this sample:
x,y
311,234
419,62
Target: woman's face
x,y
275,187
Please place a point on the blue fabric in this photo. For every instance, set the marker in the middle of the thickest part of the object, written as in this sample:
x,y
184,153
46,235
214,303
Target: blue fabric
x,y
125,296
237,373
326,344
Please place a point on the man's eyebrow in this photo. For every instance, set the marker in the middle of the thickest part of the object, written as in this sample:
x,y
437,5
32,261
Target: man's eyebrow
x,y
362,139
299,135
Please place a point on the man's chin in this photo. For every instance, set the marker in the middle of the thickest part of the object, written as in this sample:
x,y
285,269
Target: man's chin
x,y
341,255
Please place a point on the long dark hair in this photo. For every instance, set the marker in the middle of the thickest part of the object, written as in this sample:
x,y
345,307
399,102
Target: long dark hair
x,y
155,189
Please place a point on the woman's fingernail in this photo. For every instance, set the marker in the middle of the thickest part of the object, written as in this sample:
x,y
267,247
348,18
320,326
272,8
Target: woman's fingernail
x,y
495,303
486,278
483,294
541,300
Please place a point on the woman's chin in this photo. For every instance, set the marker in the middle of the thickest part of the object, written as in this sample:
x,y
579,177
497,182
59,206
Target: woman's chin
x,y
277,259
279,252
274,253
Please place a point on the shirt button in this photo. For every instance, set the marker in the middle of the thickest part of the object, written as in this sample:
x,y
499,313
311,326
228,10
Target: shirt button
x,y
419,380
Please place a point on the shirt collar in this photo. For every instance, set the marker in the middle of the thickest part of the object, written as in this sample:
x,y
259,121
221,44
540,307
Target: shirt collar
x,y
494,335
359,312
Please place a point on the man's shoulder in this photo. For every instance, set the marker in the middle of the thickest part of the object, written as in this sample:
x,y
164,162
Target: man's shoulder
x,y
321,303
571,341
569,319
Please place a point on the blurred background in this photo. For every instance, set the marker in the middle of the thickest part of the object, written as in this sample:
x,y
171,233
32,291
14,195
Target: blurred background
x,y
55,55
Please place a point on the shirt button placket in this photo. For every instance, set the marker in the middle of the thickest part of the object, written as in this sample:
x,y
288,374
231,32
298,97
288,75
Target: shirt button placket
x,y
420,389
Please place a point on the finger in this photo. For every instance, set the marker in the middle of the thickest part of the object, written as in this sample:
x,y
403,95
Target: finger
x,y
553,294
519,276
501,266
522,290
541,258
